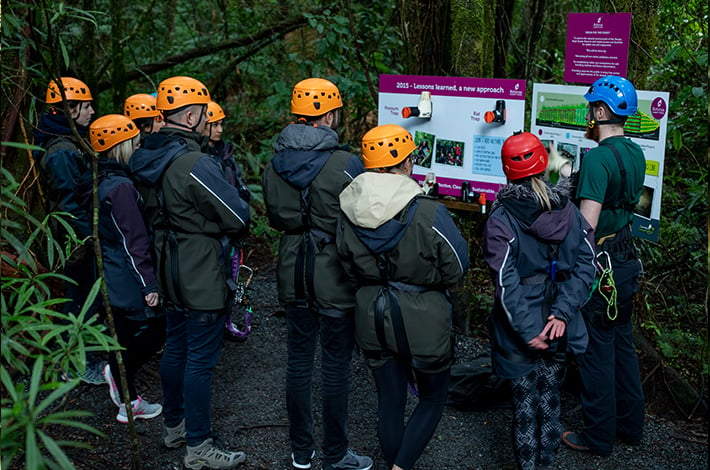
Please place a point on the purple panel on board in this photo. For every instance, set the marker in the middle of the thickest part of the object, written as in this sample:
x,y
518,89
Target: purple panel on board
x,y
452,186
658,108
465,87
597,45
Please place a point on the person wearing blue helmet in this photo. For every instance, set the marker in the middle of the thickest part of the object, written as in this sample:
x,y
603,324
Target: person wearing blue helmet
x,y
610,182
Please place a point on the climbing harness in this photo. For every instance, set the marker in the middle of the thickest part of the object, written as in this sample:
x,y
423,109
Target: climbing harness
x,y
241,279
605,285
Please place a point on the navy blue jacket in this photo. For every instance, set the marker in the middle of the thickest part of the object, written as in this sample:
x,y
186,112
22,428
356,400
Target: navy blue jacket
x,y
125,241
518,238
61,166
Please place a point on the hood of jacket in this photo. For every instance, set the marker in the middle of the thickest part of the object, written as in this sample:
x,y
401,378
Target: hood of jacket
x,y
373,200
83,188
157,152
51,125
520,202
301,150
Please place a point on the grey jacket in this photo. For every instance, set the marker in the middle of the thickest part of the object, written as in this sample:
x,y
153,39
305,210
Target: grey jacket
x,y
301,186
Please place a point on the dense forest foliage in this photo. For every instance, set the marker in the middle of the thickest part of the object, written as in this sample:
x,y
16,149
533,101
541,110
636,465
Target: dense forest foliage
x,y
249,54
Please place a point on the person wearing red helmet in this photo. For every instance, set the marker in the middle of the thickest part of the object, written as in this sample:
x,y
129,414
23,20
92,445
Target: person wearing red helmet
x,y
540,252
402,252
609,185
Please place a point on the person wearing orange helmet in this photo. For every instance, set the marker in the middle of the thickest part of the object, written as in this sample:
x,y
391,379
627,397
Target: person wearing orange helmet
x,y
141,108
402,252
223,151
196,216
301,186
540,252
60,165
63,159
129,271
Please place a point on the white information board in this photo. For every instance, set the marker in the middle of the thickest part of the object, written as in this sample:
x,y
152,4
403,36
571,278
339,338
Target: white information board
x,y
558,119
460,129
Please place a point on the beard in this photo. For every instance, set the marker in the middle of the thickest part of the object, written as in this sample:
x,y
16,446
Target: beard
x,y
592,133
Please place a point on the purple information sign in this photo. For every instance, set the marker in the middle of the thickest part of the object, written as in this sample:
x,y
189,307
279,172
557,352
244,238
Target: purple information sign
x,y
597,45
462,87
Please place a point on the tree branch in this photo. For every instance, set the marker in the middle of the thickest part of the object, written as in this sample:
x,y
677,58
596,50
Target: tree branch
x,y
273,32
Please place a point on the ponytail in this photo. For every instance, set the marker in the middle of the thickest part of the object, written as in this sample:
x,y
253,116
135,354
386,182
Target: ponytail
x,y
540,189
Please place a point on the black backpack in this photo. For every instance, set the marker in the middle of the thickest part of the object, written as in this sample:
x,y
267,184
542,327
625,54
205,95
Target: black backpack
x,y
474,387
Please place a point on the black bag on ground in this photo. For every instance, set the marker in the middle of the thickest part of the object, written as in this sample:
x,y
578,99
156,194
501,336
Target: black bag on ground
x,y
474,387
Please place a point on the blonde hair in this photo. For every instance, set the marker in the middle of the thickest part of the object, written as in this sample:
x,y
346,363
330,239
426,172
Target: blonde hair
x,y
540,189
122,152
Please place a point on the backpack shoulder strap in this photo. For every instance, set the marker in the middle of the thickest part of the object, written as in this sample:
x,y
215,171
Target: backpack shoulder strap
x,y
622,201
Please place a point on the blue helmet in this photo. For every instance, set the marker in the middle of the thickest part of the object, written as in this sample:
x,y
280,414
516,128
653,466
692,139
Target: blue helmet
x,y
617,92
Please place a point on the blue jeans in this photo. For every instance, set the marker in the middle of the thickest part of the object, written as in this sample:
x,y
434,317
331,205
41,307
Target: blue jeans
x,y
192,348
336,341
612,395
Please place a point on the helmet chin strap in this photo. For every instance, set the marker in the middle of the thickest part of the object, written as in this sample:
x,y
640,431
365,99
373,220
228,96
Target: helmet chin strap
x,y
616,120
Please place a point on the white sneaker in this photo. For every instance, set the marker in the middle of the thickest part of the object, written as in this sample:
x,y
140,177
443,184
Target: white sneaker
x,y
207,455
141,410
112,389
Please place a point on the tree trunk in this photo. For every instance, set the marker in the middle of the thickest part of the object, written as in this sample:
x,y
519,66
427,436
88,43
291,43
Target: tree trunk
x,y
503,33
473,33
118,63
424,27
644,35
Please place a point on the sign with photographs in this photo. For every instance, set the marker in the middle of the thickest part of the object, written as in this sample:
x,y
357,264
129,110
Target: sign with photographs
x,y
459,125
558,119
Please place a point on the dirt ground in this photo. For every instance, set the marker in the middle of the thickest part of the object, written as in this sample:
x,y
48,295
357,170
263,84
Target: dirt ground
x,y
249,413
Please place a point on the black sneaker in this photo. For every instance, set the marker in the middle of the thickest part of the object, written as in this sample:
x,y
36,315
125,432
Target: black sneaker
x,y
302,463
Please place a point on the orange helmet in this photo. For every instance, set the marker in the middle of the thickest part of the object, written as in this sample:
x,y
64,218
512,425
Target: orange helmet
x,y
74,89
315,97
176,92
523,155
140,106
214,112
111,130
385,146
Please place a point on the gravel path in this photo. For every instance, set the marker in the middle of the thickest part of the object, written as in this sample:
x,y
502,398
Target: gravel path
x,y
249,413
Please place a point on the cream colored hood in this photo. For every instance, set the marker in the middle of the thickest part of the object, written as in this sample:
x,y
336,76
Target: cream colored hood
x,y
374,198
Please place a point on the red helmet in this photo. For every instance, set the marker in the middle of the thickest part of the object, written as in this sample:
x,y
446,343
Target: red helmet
x,y
523,155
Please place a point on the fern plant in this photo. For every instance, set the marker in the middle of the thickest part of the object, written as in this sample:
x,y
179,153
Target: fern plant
x,y
38,341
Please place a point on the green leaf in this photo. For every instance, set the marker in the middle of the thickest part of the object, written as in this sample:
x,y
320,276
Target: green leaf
x,y
65,52
677,139
59,456
20,145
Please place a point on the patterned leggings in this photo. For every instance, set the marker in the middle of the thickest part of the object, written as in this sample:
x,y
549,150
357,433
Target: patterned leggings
x,y
536,415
